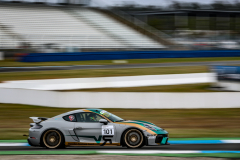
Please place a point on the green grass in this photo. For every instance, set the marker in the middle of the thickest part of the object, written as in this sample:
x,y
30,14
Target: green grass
x,y
181,123
7,76
205,87
12,63
215,155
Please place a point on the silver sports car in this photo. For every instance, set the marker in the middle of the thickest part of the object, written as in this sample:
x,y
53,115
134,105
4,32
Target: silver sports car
x,y
93,127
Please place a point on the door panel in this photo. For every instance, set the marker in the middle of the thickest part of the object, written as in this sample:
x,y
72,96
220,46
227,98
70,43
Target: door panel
x,y
89,130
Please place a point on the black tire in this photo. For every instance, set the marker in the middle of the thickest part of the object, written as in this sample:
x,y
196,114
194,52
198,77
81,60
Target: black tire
x,y
133,138
53,139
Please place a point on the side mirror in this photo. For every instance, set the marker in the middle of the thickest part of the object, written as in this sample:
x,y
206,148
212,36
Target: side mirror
x,y
104,121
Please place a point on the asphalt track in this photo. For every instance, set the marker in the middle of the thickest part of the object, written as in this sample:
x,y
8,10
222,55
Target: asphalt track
x,y
226,147
116,66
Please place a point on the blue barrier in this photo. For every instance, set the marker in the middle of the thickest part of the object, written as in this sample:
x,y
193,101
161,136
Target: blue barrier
x,y
115,55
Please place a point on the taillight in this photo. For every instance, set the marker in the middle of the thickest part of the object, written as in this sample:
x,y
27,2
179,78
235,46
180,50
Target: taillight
x,y
37,127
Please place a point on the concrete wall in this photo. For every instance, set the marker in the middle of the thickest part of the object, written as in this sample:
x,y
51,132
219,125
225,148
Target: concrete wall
x,y
120,99
229,86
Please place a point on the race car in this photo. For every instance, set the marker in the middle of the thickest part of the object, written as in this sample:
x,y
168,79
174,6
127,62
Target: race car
x,y
93,127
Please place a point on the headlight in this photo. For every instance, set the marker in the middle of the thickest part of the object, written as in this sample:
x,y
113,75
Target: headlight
x,y
149,127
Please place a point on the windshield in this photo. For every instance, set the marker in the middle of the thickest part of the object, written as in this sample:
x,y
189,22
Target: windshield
x,y
111,116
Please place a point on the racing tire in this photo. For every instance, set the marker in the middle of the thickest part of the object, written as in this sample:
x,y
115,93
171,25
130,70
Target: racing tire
x,y
53,139
133,138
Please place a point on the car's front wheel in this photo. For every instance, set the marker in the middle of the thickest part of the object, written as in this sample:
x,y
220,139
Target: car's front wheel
x,y
53,139
133,138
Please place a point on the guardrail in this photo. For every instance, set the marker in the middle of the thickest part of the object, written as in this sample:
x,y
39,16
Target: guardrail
x,y
115,55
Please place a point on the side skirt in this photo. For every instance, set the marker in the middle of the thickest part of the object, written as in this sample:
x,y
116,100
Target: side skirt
x,y
90,144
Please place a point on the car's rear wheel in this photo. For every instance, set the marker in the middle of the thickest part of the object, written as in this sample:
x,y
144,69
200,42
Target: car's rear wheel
x,y
53,139
133,138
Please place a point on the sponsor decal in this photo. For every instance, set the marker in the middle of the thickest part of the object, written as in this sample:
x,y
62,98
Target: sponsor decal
x,y
102,112
138,126
98,140
106,140
71,117
105,113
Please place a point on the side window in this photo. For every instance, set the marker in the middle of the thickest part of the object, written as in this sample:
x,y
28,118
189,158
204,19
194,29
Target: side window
x,y
71,118
88,117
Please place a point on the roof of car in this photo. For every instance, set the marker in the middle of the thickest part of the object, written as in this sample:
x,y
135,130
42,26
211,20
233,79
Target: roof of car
x,y
80,110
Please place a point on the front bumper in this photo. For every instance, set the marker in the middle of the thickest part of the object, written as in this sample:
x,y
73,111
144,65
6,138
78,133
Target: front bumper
x,y
157,140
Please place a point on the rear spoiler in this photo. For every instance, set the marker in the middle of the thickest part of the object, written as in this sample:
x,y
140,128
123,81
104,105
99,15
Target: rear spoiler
x,y
38,120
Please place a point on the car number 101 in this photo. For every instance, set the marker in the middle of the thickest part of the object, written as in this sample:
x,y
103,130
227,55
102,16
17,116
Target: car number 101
x,y
107,130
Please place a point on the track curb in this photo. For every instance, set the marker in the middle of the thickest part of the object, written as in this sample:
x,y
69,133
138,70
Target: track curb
x,y
222,154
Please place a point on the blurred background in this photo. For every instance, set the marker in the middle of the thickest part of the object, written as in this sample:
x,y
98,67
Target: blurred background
x,y
173,63
53,25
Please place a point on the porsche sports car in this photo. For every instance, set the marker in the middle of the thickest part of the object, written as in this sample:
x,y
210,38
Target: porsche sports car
x,y
93,127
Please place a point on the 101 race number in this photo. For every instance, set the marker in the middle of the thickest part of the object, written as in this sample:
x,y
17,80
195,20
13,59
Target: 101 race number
x,y
107,130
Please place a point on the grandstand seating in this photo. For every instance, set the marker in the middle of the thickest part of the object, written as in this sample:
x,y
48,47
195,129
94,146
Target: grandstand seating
x,y
39,25
7,41
118,29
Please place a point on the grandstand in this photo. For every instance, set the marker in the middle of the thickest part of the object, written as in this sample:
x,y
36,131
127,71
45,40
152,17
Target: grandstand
x,y
78,27
6,40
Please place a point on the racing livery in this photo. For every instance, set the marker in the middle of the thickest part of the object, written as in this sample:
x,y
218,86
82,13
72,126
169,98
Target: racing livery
x,y
90,127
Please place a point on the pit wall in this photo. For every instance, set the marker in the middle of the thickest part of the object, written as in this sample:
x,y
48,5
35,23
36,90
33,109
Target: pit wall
x,y
120,99
115,55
